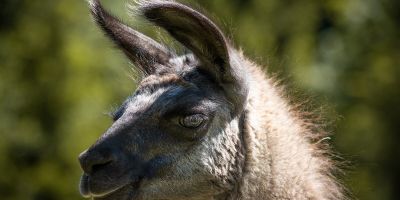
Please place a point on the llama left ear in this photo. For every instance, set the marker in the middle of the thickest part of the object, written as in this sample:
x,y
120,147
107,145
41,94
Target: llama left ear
x,y
207,42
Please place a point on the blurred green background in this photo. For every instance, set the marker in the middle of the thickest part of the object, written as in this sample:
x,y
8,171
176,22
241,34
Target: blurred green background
x,y
59,76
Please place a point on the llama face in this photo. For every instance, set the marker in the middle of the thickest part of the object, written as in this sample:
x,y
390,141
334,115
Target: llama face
x,y
165,142
169,138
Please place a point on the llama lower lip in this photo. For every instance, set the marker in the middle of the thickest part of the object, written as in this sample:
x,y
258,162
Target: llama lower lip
x,y
123,193
85,189
84,186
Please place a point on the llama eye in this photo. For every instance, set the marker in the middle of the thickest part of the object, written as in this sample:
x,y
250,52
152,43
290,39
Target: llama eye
x,y
192,121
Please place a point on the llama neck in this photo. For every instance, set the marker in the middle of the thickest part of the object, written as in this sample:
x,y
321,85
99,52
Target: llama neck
x,y
281,163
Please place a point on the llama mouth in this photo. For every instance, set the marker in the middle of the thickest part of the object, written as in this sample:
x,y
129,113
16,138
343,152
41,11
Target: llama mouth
x,y
86,191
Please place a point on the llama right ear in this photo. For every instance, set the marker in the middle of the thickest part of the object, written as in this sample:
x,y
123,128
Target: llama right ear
x,y
143,51
207,42
192,29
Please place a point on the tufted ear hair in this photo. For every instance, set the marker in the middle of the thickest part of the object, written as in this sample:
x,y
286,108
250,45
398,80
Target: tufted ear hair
x,y
143,51
207,42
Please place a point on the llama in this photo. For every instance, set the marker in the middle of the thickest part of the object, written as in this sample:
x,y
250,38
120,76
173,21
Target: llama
x,y
206,125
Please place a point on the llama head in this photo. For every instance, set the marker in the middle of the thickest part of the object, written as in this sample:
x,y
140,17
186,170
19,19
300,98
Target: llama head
x,y
177,136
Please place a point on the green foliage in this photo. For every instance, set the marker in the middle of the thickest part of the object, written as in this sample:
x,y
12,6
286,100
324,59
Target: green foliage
x,y
59,76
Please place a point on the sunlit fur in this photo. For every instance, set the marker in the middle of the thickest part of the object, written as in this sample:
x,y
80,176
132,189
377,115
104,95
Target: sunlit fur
x,y
254,145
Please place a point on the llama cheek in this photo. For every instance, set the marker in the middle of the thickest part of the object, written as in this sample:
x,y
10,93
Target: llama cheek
x,y
229,156
221,162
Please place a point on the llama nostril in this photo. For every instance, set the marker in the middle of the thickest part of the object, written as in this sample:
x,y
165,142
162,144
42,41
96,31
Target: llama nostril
x,y
93,161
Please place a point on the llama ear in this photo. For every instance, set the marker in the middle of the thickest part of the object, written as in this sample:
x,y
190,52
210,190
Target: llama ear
x,y
143,51
193,30
200,35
